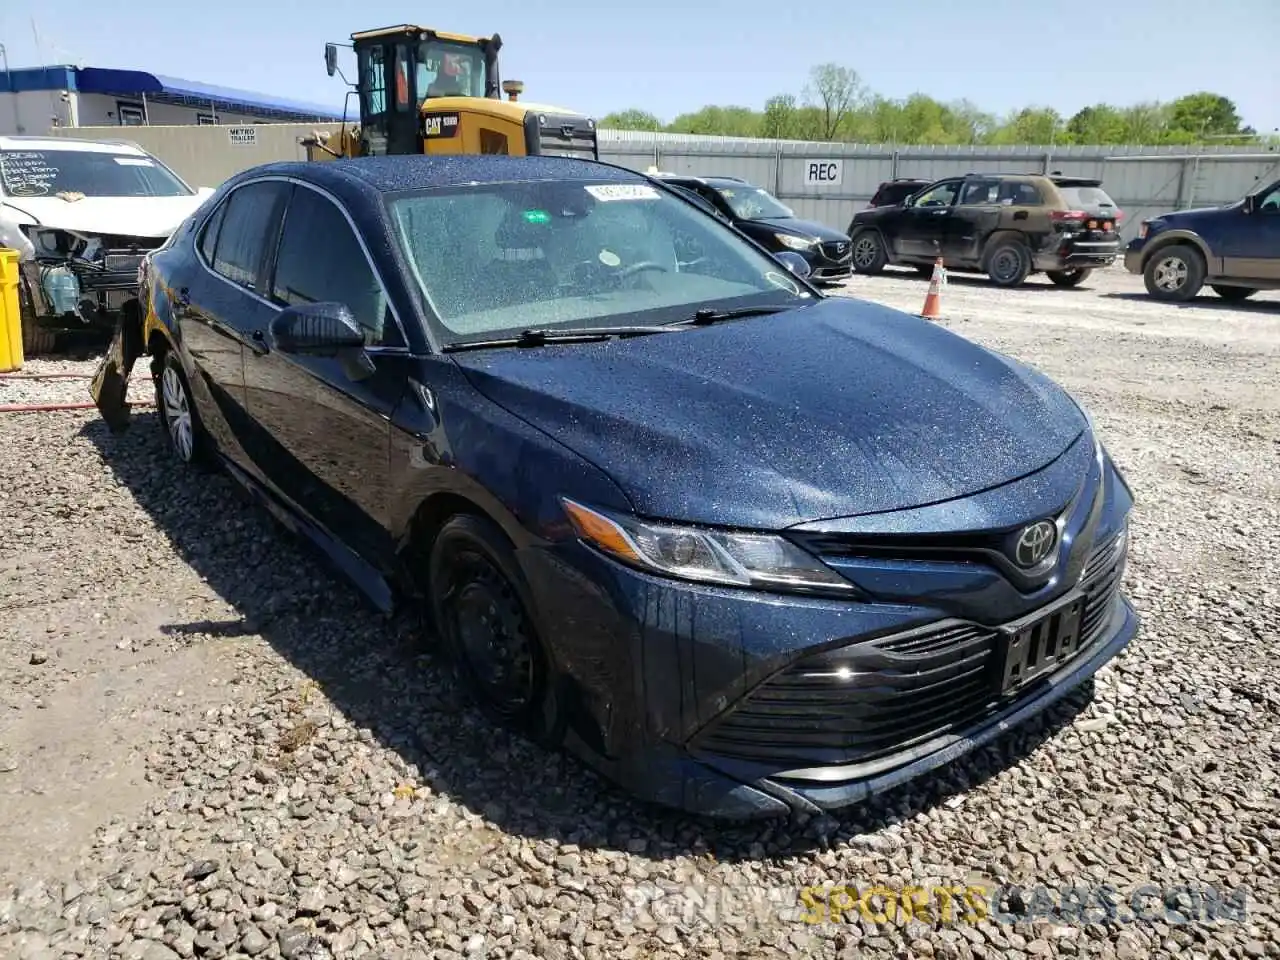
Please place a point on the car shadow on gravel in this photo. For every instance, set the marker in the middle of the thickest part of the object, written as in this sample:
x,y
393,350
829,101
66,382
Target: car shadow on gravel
x,y
1211,301
1036,283
380,673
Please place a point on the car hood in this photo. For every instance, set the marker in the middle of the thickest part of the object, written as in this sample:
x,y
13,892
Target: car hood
x,y
805,228
836,409
154,217
1177,218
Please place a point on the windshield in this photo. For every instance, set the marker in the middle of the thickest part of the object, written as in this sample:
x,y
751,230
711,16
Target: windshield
x,y
753,203
449,70
93,173
500,258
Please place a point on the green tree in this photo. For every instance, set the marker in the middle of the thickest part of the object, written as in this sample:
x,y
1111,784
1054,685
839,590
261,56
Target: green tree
x,y
836,106
1204,114
781,120
1100,123
834,91
632,119
718,121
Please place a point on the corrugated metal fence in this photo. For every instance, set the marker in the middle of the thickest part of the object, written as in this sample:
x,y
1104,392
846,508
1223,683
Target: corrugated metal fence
x,y
1144,181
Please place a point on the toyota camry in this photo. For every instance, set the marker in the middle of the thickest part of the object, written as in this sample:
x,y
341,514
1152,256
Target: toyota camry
x,y
744,548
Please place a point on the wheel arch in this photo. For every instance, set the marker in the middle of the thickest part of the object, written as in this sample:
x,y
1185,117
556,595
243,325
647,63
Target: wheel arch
x,y
1168,238
1001,235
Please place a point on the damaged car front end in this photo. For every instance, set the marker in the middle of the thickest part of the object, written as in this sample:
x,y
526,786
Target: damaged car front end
x,y
83,215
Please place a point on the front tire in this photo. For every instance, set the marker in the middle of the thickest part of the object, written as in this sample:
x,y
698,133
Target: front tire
x,y
481,608
869,254
1234,294
178,414
1175,273
1068,278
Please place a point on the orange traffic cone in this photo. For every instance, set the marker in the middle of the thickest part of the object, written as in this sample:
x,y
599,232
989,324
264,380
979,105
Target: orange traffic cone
x,y
932,309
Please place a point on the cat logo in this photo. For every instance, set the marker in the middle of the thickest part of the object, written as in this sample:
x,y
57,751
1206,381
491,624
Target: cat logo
x,y
438,126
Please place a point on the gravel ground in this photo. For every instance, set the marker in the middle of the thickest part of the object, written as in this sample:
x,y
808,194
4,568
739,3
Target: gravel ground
x,y
208,748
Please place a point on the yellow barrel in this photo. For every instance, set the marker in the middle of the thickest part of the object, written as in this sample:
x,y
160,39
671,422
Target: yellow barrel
x,y
10,313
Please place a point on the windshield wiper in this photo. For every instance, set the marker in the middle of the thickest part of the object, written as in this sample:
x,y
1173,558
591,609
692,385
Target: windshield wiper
x,y
537,338
707,315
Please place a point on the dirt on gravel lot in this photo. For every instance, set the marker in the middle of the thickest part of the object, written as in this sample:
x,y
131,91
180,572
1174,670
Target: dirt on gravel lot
x,y
210,748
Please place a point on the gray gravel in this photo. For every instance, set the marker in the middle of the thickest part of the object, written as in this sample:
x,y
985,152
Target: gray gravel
x,y
209,748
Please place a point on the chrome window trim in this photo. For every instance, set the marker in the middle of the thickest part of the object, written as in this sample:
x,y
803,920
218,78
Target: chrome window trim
x,y
364,248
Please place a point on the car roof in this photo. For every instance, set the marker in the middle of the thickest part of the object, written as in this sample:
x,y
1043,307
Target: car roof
x,y
392,174
71,143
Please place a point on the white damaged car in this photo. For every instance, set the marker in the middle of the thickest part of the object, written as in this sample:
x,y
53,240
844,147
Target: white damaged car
x,y
82,215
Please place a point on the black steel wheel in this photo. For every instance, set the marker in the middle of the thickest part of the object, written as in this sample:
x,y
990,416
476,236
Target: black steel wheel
x,y
481,610
1008,263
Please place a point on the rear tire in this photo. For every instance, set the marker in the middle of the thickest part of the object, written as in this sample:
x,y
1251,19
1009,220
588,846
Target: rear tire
x,y
1008,263
178,415
1068,278
1174,273
481,606
1234,294
869,254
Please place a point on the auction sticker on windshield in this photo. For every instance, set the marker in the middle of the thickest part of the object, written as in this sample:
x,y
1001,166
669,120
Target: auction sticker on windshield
x,y
623,191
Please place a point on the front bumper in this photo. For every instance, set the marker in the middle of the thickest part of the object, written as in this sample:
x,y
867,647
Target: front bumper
x,y
743,704
100,290
830,261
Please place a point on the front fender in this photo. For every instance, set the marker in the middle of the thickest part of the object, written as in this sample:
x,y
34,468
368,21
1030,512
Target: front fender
x,y
1177,235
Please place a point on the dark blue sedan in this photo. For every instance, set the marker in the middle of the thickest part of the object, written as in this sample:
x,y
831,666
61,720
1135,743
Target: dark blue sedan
x,y
744,548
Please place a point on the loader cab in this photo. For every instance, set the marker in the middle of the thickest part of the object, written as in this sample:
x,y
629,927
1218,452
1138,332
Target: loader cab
x,y
426,91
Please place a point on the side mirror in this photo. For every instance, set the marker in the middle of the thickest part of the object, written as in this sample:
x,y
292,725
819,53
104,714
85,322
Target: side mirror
x,y
794,262
330,58
320,329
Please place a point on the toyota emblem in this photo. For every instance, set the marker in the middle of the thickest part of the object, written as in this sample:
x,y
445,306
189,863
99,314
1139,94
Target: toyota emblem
x,y
1035,543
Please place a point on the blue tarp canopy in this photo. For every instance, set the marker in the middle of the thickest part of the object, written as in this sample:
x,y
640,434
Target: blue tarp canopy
x,y
188,93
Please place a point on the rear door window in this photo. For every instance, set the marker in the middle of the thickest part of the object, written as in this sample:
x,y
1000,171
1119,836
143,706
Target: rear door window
x,y
247,227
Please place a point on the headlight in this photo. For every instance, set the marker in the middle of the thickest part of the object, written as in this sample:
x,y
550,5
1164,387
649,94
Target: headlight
x,y
12,237
709,556
796,243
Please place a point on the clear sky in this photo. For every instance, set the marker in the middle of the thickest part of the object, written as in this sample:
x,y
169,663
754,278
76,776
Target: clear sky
x,y
669,57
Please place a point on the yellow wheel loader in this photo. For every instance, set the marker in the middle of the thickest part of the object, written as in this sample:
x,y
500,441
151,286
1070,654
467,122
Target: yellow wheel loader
x,y
426,91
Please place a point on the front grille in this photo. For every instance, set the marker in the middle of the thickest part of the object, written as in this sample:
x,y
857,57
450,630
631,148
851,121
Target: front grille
x,y
859,703
837,250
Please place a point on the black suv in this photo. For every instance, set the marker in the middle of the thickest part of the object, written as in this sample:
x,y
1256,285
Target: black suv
x,y
1234,248
1007,226
764,219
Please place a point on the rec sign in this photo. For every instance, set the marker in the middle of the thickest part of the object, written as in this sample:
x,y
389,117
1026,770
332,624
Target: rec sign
x,y
823,173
